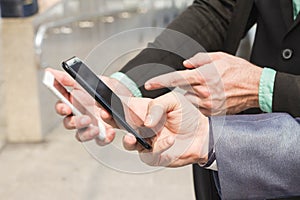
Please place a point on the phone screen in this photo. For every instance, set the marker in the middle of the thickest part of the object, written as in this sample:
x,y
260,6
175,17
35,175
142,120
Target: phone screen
x,y
107,98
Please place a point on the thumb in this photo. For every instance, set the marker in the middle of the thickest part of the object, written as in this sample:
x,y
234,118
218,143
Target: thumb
x,y
159,107
155,114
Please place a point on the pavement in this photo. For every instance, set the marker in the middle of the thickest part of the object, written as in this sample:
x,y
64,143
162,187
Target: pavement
x,y
61,168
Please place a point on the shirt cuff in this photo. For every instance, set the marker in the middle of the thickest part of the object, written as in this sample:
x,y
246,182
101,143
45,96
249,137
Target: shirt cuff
x,y
266,87
128,82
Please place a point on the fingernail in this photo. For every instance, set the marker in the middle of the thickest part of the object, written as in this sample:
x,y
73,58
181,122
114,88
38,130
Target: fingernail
x,y
148,120
147,85
64,111
187,62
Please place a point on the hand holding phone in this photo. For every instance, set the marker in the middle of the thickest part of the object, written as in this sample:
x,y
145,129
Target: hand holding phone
x,y
63,94
106,98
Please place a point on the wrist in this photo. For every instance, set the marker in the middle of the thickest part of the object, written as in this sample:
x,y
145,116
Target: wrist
x,y
203,141
128,83
254,81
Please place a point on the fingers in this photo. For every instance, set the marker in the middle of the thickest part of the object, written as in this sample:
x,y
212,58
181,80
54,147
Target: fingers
x,y
86,134
200,91
201,59
110,135
158,157
154,157
77,122
197,60
107,118
163,144
174,79
62,109
204,105
194,99
62,77
130,142
87,131
159,107
155,114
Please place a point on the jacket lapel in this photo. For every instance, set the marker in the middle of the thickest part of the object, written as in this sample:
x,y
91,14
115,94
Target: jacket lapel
x,y
296,23
288,15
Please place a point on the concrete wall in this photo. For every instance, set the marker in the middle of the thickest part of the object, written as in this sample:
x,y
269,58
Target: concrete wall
x,y
2,102
20,94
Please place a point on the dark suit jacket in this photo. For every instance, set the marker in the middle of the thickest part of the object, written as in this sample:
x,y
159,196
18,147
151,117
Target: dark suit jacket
x,y
210,23
219,25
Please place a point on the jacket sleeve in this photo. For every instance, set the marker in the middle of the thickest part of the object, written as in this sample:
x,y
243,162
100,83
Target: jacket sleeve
x,y
286,94
258,155
201,27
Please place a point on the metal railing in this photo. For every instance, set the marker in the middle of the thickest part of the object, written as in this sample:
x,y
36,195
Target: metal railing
x,y
71,16
75,27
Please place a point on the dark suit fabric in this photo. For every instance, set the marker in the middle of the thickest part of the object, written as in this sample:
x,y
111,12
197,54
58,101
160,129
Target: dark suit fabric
x,y
210,23
206,22
252,168
277,31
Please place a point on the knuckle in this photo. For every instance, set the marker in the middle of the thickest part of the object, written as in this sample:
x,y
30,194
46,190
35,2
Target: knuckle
x,y
152,103
217,55
207,105
205,112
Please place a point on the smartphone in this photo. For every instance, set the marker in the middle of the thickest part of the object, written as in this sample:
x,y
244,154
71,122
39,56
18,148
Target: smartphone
x,y
106,98
63,94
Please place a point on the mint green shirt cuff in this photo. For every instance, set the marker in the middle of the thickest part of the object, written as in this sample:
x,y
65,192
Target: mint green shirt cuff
x,y
296,6
128,82
266,87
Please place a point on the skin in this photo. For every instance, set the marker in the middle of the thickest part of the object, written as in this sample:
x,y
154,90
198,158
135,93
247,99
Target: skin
x,y
217,82
184,128
93,110
182,140
84,131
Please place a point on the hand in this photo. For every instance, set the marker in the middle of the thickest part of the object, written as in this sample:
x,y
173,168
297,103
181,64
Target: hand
x,y
218,83
183,139
86,105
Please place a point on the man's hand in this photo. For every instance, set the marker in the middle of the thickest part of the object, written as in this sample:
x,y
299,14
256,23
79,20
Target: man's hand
x,y
182,140
87,105
218,83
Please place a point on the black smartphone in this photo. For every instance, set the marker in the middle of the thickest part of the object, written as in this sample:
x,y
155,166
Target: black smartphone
x,y
106,98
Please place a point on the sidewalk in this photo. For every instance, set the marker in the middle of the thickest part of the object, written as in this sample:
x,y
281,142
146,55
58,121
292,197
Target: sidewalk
x,y
60,168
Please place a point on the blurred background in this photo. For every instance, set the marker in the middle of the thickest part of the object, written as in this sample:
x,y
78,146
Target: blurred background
x,y
39,159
